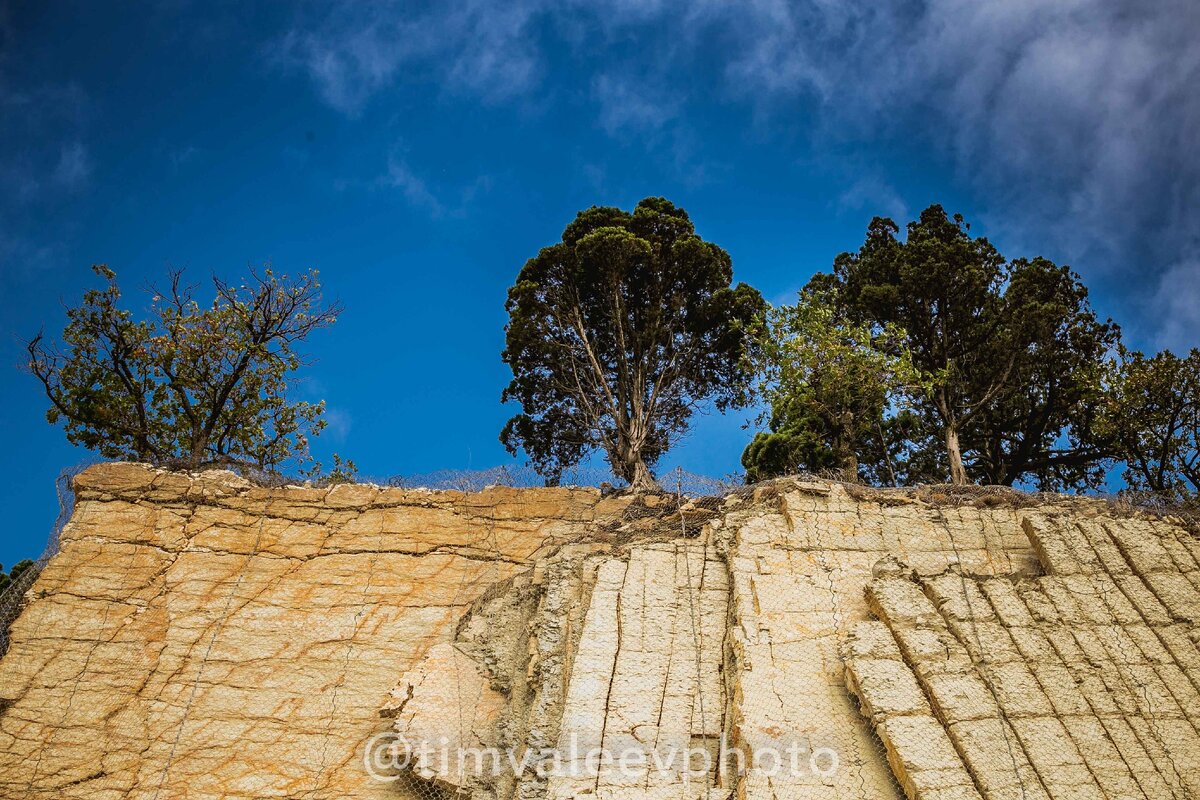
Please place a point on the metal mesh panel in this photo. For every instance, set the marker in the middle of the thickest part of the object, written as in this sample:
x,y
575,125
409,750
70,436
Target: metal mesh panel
x,y
686,644
12,598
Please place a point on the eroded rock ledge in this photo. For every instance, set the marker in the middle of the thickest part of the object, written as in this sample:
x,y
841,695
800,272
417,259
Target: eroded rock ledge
x,y
201,637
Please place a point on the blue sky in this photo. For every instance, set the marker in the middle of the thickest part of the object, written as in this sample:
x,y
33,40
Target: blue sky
x,y
417,154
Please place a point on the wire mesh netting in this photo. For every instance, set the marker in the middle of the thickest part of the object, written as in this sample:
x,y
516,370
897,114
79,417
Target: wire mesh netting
x,y
636,688
12,597
678,480
646,655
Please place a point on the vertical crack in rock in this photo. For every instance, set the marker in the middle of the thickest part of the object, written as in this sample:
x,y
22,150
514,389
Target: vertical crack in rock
x,y
879,643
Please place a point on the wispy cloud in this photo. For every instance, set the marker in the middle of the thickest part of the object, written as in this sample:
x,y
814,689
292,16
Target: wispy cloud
x,y
1176,307
646,108
74,166
338,423
875,196
1076,119
21,255
437,199
352,52
181,156
45,162
628,106
399,175
44,173
47,156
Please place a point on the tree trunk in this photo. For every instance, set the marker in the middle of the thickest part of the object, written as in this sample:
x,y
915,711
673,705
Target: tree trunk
x,y
642,480
958,473
627,464
847,459
887,456
198,451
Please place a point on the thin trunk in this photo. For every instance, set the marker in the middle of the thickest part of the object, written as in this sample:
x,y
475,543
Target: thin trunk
x,y
958,473
887,456
850,468
847,459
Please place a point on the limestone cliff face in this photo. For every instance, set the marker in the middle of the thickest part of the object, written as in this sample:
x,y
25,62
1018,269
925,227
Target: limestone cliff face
x,y
201,637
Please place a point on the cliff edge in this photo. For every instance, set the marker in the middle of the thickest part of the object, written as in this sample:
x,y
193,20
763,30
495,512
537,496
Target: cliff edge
x,y
198,636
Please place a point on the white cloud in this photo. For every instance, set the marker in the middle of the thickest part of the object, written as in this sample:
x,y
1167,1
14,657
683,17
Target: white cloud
x,y
50,158
22,256
875,196
338,423
400,176
1076,120
74,166
437,199
628,106
45,163
352,52
181,156
1176,306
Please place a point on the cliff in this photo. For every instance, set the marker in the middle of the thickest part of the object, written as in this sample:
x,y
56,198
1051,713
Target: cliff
x,y
198,636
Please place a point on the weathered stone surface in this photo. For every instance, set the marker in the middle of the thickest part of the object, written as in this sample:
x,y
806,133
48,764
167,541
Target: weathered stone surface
x,y
198,637
920,752
646,678
445,702
1071,676
202,637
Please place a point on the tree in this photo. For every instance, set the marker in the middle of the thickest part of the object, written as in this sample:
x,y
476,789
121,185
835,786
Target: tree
x,y
617,333
1044,426
1010,353
1153,414
192,383
14,574
343,471
835,389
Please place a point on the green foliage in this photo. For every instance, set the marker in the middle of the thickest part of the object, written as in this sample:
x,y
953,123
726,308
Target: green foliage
x,y
344,471
1011,357
193,383
617,333
1154,417
836,390
1042,425
14,573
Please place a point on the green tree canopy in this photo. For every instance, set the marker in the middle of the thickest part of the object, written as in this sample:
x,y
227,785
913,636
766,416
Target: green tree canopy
x,y
617,333
193,383
1154,416
14,574
1011,355
836,390
1043,426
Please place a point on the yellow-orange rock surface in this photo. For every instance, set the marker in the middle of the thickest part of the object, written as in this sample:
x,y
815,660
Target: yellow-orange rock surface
x,y
198,636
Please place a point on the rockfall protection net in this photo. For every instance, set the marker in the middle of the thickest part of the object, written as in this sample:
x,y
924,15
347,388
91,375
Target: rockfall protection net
x,y
627,682
12,598
617,673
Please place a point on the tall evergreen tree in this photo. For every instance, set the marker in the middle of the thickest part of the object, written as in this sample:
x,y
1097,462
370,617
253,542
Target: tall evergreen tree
x,y
1010,353
617,333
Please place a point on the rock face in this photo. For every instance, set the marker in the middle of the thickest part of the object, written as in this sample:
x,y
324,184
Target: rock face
x,y
1080,683
201,637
